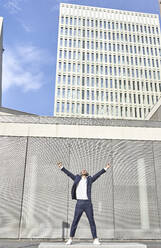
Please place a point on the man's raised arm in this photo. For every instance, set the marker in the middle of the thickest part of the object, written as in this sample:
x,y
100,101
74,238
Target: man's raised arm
x,y
68,173
98,174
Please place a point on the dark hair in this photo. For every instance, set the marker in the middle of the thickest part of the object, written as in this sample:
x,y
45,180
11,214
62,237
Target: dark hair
x,y
87,174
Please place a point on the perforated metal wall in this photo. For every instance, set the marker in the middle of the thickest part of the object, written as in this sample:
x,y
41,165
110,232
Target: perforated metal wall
x,y
135,197
35,195
12,162
46,189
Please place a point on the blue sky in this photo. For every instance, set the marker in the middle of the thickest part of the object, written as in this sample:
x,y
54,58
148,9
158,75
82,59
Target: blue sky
x,y
30,43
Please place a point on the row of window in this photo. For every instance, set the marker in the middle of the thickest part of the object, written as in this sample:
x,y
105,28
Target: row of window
x,y
110,36
108,83
105,110
108,70
109,58
105,96
115,47
78,21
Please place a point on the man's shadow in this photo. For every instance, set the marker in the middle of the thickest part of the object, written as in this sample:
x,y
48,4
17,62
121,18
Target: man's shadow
x,y
64,225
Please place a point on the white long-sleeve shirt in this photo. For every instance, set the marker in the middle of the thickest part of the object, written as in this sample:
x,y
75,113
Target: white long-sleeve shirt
x,y
81,190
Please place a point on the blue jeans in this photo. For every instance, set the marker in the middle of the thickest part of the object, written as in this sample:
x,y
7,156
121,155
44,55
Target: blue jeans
x,y
83,206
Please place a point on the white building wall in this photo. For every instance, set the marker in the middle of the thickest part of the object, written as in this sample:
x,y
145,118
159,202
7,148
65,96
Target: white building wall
x,y
108,63
80,131
160,5
1,51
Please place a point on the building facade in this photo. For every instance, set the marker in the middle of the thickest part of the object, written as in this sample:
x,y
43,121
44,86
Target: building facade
x,y
108,63
155,113
1,51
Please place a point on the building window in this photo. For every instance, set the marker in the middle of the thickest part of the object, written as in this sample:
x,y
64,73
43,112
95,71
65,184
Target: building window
x,y
111,96
101,82
106,82
64,79
69,55
106,96
78,108
121,97
73,93
97,95
65,42
83,80
73,106
60,54
58,92
87,108
62,20
68,106
64,67
140,114
78,94
59,79
59,66
68,94
87,94
92,95
63,93
61,42
92,82
92,109
121,110
148,99
97,109
82,94
63,107
102,96
58,107
82,108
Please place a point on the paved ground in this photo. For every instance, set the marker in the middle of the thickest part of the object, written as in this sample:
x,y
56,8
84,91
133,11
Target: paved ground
x,y
35,244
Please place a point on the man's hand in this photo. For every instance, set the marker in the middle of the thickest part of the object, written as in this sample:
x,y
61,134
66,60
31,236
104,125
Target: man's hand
x,y
108,166
59,164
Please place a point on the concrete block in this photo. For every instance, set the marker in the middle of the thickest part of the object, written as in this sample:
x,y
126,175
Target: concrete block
x,y
87,245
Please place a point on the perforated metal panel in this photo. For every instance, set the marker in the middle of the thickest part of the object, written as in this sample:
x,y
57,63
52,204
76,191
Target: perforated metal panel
x,y
135,199
12,160
157,161
126,199
46,190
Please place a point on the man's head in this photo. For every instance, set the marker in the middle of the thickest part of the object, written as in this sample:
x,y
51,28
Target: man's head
x,y
84,173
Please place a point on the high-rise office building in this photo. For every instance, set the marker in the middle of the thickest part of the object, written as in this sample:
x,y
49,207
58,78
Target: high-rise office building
x,y
1,51
160,5
108,63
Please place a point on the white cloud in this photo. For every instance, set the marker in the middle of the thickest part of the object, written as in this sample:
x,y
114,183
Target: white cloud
x,y
31,54
13,6
22,68
26,27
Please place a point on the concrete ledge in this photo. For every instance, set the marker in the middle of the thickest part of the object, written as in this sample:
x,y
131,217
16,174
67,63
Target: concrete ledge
x,y
87,245
79,131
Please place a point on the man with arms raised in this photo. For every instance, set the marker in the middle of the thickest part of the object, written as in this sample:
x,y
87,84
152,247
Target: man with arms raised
x,y
81,191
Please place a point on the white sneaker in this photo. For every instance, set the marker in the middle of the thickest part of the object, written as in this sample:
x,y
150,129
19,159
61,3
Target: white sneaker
x,y
69,242
96,241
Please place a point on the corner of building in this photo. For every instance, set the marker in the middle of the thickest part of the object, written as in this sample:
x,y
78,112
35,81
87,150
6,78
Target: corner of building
x,y
1,52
